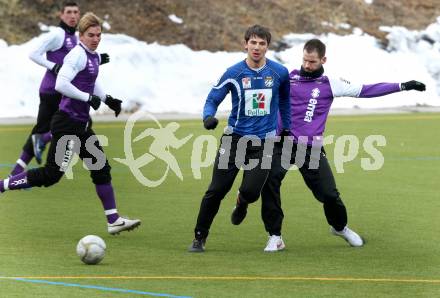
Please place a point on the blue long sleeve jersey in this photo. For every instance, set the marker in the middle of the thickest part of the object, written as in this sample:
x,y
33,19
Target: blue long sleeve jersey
x,y
257,97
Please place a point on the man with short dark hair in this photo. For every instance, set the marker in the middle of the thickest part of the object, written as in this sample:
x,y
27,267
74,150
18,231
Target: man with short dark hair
x,y
311,96
49,53
260,90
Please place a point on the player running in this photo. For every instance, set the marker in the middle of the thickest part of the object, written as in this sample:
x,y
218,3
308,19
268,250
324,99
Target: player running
x,y
50,53
71,126
311,96
260,89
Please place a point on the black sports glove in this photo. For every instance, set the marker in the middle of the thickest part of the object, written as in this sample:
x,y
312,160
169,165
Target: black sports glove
x,y
94,101
56,68
114,104
413,85
105,58
210,122
284,133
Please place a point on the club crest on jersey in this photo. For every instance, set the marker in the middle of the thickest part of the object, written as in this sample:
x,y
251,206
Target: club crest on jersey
x,y
315,93
246,82
268,82
69,43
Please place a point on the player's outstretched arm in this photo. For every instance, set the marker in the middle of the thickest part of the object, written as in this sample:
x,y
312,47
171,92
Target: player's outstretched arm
x,y
381,89
342,87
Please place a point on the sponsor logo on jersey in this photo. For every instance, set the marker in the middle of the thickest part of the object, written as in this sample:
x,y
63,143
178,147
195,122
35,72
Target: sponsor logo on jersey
x,y
268,82
246,82
257,102
312,105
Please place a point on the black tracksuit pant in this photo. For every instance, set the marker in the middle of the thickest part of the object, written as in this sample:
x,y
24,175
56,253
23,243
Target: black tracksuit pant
x,y
224,173
74,135
48,106
318,177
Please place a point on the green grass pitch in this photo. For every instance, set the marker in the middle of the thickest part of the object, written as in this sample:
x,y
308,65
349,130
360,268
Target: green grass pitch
x,y
396,208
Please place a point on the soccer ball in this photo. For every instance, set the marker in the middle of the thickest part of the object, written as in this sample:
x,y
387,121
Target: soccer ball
x,y
91,249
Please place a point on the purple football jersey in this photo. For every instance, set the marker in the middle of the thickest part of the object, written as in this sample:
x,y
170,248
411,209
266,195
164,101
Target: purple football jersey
x,y
48,83
310,100
84,81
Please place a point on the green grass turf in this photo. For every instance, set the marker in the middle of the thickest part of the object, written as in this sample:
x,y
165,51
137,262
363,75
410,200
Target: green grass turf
x,y
395,208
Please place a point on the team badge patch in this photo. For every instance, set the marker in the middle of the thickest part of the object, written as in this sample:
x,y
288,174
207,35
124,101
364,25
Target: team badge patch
x,y
315,93
69,43
268,82
246,82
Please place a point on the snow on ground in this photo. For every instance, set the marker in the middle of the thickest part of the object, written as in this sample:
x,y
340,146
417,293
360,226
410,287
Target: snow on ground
x,y
166,79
